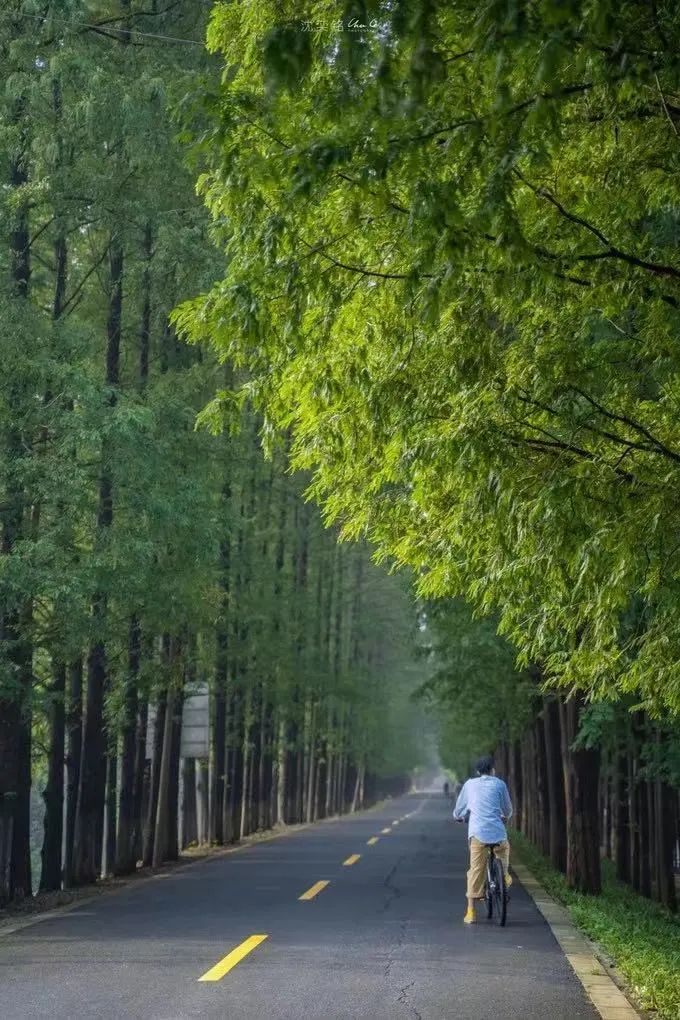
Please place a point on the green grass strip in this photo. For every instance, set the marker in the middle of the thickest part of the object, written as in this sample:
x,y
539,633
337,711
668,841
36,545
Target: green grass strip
x,y
642,937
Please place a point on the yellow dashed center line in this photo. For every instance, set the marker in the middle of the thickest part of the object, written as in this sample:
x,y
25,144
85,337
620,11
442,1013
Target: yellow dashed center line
x,y
228,962
314,890
373,840
351,860
396,823
386,831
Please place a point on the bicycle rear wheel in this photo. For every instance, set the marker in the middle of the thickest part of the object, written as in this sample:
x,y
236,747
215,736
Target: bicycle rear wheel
x,y
500,898
488,896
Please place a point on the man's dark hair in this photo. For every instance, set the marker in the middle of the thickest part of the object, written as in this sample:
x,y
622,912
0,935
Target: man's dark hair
x,y
485,765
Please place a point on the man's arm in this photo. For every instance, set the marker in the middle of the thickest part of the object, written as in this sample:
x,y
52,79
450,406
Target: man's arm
x,y
505,801
461,807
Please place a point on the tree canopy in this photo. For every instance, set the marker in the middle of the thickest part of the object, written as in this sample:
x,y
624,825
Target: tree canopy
x,y
452,273
142,558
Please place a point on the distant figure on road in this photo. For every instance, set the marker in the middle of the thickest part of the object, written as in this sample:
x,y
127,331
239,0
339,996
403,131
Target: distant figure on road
x,y
446,789
485,802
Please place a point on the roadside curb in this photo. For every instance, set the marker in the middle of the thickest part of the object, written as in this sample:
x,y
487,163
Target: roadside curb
x,y
175,868
602,990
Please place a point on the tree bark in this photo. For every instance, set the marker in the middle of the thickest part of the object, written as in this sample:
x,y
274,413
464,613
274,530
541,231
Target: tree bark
x,y
91,793
108,863
218,749
15,710
311,766
75,736
281,772
142,780
51,872
247,764
645,872
621,817
544,807
557,835
262,798
173,804
189,813
161,830
667,835
152,807
126,857
163,841
202,791
582,770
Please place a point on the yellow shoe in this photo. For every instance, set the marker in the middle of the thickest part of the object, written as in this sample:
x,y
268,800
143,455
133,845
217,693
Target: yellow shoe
x,y
508,881
470,917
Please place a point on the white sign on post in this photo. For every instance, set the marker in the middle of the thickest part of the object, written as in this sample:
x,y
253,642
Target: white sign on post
x,y
196,724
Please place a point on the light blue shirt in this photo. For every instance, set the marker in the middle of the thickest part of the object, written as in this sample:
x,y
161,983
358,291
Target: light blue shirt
x,y
487,799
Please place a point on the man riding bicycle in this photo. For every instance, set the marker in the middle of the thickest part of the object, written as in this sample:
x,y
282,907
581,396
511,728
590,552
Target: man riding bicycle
x,y
486,802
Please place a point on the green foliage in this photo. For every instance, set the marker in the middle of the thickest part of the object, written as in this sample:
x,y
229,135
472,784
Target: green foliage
x,y
452,275
205,538
475,692
642,937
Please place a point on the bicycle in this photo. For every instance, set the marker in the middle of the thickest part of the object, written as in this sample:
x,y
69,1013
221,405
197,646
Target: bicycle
x,y
495,891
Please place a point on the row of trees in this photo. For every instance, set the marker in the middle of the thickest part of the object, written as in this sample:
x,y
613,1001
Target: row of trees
x,y
473,213
602,785
141,559
588,781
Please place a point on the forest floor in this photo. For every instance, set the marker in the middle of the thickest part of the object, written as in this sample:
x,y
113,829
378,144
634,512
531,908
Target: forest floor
x,y
361,919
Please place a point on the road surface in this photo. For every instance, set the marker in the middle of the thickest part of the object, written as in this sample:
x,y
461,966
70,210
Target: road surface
x,y
382,940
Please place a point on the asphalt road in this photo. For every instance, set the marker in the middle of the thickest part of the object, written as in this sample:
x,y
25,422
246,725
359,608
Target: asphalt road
x,y
383,940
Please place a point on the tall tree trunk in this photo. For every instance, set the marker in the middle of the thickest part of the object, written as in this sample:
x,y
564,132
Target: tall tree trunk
x,y
633,812
312,765
75,736
203,791
165,841
161,831
152,807
219,730
582,771
129,842
621,817
145,320
142,780
262,799
645,872
518,784
50,874
356,796
557,837
51,871
247,764
281,772
89,814
126,858
189,813
651,837
666,840
218,748
297,785
110,813
543,804
15,709
173,802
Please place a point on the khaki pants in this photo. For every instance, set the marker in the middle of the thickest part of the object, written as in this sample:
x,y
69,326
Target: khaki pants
x,y
477,874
